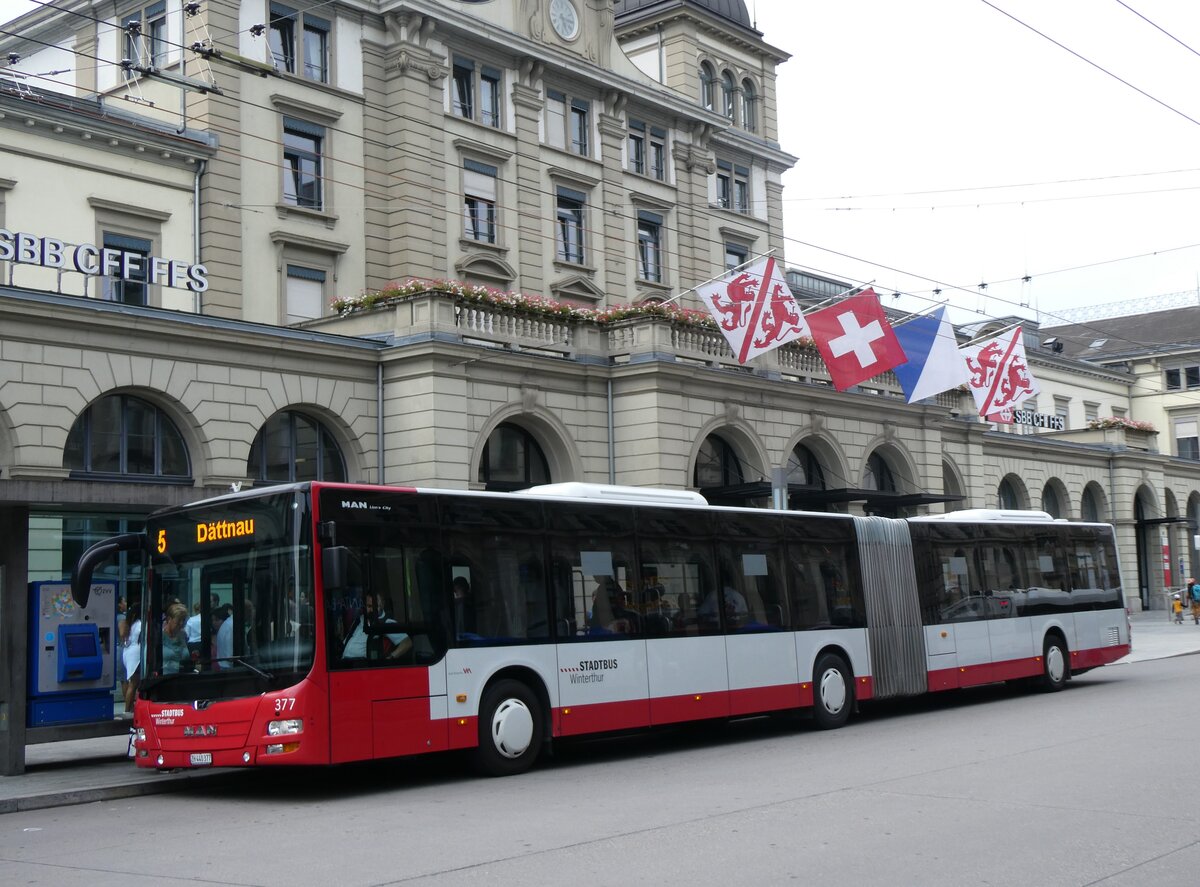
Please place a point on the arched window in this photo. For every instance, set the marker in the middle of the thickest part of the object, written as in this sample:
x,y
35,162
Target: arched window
x,y
512,460
294,447
1089,506
1050,503
124,435
879,475
1007,496
804,470
717,465
749,106
707,86
727,95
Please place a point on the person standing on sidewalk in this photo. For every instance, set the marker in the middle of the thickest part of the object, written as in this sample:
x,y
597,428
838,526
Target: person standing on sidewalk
x,y
1194,598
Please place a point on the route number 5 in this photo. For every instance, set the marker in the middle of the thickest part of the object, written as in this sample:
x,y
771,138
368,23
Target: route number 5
x,y
162,541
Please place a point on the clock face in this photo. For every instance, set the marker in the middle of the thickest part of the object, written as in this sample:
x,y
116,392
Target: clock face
x,y
564,18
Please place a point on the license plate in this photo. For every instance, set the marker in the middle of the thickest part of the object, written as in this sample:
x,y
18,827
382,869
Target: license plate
x,y
201,758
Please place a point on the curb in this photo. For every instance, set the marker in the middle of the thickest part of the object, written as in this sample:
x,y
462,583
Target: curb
x,y
71,797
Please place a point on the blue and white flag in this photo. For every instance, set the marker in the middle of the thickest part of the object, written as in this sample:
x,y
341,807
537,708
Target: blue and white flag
x,y
934,362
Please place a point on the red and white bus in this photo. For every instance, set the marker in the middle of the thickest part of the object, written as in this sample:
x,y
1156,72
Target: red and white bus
x,y
349,622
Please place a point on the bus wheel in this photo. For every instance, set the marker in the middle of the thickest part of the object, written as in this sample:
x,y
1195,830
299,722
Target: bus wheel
x,y
833,692
510,729
1056,667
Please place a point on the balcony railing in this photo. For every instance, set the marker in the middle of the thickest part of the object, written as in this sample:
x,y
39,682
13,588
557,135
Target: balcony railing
x,y
440,316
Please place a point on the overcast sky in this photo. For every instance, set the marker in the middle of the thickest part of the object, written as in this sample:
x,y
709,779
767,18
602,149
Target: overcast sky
x,y
943,144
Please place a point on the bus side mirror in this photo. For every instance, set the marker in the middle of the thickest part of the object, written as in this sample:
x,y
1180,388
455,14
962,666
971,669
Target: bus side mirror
x,y
334,564
81,576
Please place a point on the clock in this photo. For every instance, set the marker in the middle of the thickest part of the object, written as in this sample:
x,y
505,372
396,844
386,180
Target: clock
x,y
564,19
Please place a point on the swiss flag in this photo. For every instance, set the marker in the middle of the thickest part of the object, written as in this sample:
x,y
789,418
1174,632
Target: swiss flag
x,y
855,340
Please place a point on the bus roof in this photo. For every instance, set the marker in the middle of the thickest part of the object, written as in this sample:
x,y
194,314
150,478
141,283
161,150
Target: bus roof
x,y
615,493
979,515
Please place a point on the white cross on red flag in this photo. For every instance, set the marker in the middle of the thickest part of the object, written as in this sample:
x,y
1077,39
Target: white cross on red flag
x,y
998,375
855,340
754,308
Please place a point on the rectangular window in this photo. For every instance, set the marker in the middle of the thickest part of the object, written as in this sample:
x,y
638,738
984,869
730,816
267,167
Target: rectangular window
x,y
741,189
133,289
1091,411
579,127
1119,412
308,55
462,99
305,297
1191,377
556,119
475,92
156,33
637,147
489,97
568,123
650,247
647,150
1062,408
1174,380
658,153
145,38
302,159
479,201
569,241
735,254
1187,439
724,184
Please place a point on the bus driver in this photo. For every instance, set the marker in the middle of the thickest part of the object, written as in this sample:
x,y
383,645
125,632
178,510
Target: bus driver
x,y
367,631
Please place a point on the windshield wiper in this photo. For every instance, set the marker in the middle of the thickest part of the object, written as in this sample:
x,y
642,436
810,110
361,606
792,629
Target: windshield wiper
x,y
254,668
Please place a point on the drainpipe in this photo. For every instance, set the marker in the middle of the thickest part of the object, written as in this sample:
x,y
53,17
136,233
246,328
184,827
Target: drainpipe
x,y
379,418
198,303
612,452
662,63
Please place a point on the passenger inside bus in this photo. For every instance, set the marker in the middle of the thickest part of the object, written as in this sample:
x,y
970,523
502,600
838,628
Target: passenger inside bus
x,y
610,610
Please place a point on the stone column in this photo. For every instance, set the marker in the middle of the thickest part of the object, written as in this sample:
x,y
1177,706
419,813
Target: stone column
x,y
531,229
221,194
616,225
416,218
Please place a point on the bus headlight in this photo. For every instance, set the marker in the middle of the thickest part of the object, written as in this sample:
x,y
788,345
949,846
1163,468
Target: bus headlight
x,y
285,728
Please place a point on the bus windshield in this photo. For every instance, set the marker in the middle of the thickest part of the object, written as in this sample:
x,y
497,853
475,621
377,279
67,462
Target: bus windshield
x,y
231,603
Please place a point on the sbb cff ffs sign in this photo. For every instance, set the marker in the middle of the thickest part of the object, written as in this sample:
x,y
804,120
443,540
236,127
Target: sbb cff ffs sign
x,y
1039,420
46,252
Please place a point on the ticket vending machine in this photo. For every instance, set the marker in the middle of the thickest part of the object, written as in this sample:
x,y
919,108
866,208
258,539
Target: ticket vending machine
x,y
72,654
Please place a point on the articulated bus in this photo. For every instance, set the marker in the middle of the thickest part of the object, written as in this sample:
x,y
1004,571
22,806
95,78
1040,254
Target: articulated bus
x,y
349,622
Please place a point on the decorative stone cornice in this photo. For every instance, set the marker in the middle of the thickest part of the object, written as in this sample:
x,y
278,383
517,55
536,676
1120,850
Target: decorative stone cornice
x,y
524,96
695,158
411,58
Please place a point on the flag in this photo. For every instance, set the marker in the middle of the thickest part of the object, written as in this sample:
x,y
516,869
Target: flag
x,y
998,375
855,340
934,364
754,308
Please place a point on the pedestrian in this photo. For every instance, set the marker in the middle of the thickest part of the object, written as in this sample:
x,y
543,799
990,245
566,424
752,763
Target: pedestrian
x,y
1194,594
1177,608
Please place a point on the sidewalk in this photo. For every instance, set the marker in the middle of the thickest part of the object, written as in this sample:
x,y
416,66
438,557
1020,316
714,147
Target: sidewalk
x,y
85,770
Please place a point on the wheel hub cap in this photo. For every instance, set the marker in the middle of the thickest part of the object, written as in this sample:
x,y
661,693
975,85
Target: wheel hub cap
x,y
512,728
833,691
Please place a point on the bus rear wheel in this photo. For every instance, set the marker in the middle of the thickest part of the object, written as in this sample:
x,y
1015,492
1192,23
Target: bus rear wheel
x,y
511,726
833,692
1056,666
